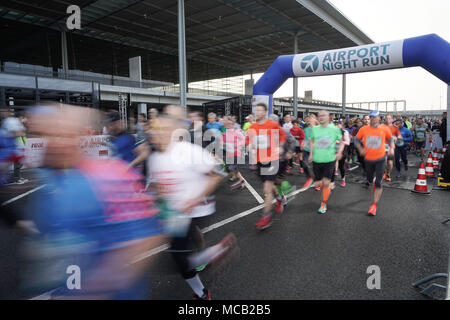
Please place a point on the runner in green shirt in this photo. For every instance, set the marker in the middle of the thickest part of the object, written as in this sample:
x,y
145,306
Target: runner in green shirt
x,y
323,155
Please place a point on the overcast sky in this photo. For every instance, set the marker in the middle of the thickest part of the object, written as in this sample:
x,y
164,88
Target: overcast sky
x,y
386,20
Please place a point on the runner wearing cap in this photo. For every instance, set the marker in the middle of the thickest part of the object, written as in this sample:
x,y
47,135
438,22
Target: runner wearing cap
x,y
371,143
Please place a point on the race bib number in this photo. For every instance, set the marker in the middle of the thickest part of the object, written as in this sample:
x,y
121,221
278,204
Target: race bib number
x,y
373,142
262,142
420,135
399,142
323,143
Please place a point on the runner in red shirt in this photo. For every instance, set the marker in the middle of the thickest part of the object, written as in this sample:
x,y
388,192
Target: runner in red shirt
x,y
299,136
395,135
267,138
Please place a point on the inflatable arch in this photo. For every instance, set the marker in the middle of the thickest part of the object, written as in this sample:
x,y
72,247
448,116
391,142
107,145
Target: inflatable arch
x,y
429,52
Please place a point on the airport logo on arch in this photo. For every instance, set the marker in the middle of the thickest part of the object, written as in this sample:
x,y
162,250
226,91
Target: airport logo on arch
x,y
310,63
377,56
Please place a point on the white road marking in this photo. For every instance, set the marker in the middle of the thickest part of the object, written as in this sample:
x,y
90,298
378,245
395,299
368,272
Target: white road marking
x,y
22,195
214,226
351,169
253,192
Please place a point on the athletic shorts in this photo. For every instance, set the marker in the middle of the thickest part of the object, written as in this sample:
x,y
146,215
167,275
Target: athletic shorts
x,y
375,169
323,170
420,145
282,170
298,150
305,156
268,171
389,157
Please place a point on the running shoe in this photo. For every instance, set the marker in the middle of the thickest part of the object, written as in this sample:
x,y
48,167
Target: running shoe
x,y
302,171
342,184
289,170
231,179
332,185
308,183
388,178
398,175
264,222
373,210
279,207
206,295
318,188
323,208
280,204
227,243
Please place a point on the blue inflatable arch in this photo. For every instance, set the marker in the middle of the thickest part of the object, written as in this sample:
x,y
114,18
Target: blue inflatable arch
x,y
429,52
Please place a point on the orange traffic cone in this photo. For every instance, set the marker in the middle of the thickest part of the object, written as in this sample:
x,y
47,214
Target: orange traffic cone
x,y
421,182
429,168
435,160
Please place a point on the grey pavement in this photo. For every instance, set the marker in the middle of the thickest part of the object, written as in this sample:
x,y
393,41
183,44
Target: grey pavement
x,y
303,255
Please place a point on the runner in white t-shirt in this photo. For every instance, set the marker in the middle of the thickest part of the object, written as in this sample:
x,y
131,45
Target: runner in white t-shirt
x,y
185,176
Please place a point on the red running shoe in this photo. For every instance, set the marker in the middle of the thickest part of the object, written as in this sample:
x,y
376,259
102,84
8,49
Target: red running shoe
x,y
264,222
373,210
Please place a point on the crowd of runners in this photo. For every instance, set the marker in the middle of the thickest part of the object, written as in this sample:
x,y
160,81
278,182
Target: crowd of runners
x,y
161,179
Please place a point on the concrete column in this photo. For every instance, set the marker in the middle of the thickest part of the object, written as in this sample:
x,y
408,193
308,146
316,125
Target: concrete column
x,y
135,68
182,54
344,93
2,97
249,87
295,81
64,55
448,112
142,108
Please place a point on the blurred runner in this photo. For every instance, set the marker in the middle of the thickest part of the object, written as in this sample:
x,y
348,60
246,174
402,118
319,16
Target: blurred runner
x,y
267,139
126,146
185,176
311,121
90,217
232,143
390,155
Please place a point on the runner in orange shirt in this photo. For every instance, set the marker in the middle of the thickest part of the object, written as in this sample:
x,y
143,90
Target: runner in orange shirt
x,y
371,143
395,135
267,138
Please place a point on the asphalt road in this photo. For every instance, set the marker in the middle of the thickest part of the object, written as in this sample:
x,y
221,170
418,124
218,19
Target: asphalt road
x,y
303,255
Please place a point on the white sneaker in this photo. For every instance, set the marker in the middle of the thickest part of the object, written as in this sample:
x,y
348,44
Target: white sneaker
x,y
332,185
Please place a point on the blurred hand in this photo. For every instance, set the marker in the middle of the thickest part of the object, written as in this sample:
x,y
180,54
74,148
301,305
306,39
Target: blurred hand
x,y
191,204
